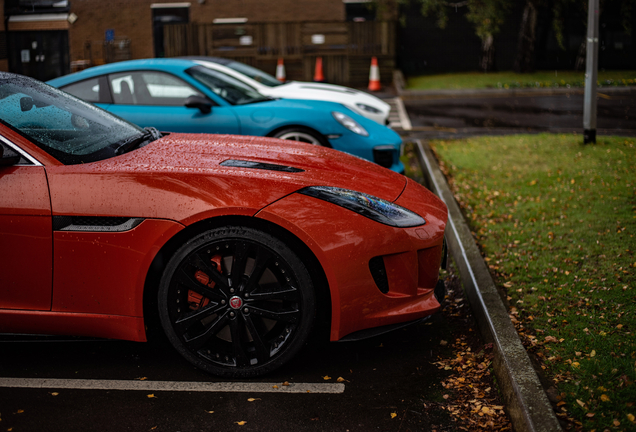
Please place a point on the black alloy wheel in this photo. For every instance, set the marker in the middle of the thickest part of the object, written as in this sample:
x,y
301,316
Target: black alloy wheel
x,y
236,302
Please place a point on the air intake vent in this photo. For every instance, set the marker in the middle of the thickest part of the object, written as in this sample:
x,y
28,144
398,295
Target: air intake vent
x,y
259,165
378,271
383,156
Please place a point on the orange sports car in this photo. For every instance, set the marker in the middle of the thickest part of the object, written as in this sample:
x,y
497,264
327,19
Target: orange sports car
x,y
235,247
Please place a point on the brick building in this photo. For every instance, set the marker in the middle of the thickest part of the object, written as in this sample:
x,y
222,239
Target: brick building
x,y
48,38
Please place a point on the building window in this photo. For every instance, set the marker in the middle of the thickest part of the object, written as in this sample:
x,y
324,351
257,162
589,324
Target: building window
x,y
359,10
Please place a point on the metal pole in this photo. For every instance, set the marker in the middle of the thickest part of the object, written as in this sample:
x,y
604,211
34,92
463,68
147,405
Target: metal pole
x,y
591,73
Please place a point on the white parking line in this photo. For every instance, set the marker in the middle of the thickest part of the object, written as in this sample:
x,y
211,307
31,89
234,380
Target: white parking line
x,y
236,387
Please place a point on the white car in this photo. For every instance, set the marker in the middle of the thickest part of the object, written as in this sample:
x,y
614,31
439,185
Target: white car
x,y
360,102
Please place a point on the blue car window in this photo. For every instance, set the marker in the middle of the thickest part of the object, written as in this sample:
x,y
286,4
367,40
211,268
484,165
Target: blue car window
x,y
256,74
88,90
67,128
150,88
229,88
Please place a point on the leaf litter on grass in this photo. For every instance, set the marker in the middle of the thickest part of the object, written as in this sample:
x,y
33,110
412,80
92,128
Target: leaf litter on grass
x,y
555,221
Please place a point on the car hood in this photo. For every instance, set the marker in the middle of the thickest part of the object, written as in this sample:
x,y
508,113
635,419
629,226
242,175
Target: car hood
x,y
331,92
309,165
187,177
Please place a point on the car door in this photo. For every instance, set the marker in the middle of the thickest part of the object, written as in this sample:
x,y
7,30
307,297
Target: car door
x,y
26,245
153,98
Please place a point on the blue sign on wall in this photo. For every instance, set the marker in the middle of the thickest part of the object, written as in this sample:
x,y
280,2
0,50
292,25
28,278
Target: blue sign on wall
x,y
110,35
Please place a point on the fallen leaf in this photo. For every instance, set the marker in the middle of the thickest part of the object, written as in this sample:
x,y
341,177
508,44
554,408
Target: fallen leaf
x,y
393,415
141,378
209,412
551,339
616,422
340,379
240,423
253,399
150,395
326,377
589,415
631,418
593,353
20,411
443,343
274,386
54,394
580,403
605,398
286,383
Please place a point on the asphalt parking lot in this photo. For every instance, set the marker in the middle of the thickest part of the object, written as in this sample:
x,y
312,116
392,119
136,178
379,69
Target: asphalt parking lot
x,y
388,383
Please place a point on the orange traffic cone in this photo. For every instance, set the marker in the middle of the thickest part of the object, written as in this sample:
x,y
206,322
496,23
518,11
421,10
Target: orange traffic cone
x,y
318,76
280,71
374,75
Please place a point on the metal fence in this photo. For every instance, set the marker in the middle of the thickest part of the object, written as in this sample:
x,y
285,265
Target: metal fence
x,y
346,48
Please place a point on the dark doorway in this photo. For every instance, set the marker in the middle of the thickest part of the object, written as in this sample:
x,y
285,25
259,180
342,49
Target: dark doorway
x,y
43,55
162,16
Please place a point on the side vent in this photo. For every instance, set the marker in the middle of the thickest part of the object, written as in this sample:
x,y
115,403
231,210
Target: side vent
x,y
95,223
378,271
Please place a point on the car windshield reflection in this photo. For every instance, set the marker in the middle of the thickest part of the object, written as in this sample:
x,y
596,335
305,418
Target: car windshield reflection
x,y
256,74
67,128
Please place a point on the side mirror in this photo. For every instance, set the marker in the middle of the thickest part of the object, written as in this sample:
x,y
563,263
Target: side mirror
x,y
201,102
8,159
26,103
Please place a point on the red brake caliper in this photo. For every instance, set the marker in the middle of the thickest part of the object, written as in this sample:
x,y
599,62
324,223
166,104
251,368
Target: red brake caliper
x,y
196,300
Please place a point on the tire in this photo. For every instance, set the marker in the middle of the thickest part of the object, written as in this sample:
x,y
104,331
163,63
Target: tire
x,y
236,323
302,135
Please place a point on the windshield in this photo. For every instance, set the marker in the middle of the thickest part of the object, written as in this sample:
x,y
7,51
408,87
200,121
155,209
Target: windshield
x,y
232,90
256,74
67,128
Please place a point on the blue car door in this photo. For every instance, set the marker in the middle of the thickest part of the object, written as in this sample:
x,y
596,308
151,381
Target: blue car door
x,y
153,98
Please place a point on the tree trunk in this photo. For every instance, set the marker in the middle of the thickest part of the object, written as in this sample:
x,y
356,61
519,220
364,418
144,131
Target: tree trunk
x,y
487,63
527,36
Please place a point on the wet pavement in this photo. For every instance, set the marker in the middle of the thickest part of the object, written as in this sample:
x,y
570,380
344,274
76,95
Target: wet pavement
x,y
392,382
484,115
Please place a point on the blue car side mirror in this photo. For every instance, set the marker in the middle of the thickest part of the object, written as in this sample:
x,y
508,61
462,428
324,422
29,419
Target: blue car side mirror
x,y
201,102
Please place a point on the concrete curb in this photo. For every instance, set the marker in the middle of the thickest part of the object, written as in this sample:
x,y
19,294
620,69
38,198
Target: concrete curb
x,y
399,83
525,399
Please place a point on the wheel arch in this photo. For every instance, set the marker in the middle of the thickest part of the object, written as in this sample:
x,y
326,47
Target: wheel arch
x,y
320,136
318,276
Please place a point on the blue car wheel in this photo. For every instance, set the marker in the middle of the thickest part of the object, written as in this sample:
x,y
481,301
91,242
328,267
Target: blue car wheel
x,y
302,135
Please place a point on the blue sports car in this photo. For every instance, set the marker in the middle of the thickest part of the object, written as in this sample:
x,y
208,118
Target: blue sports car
x,y
178,95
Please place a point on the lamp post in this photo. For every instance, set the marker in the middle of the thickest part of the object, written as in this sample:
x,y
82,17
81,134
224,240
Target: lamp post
x,y
591,73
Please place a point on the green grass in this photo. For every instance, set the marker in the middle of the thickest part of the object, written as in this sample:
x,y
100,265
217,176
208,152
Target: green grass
x,y
556,221
552,79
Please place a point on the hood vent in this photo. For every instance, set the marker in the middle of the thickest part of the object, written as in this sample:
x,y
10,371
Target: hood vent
x,y
259,165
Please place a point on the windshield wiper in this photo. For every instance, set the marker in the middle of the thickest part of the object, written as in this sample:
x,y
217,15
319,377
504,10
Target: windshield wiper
x,y
130,143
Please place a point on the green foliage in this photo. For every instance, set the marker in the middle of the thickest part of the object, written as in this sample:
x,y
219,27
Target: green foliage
x,y
506,80
556,221
487,16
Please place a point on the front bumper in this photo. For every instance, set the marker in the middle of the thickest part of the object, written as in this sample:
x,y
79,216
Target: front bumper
x,y
411,258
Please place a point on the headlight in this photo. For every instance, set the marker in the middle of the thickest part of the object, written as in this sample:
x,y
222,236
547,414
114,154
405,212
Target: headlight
x,y
369,206
349,123
368,108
